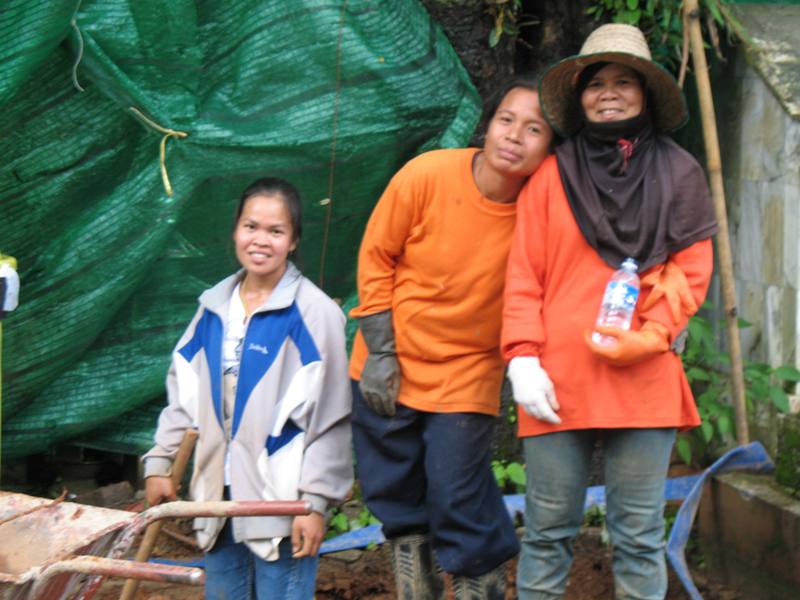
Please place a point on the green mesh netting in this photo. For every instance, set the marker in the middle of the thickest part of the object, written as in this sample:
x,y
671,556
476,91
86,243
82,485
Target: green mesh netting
x,y
333,96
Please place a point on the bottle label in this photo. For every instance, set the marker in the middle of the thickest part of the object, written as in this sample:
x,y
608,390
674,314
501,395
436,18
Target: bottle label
x,y
620,295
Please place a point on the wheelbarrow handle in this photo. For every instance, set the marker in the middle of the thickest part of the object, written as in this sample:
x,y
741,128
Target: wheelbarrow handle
x,y
223,508
194,509
96,565
182,509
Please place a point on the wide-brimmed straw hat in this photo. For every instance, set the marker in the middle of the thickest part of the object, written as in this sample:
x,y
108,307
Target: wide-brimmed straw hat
x,y
617,43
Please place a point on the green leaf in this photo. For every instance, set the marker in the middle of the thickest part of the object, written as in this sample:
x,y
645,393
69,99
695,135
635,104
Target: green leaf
x,y
665,19
499,472
787,373
684,449
779,399
697,374
708,397
700,331
339,522
714,10
633,4
631,17
707,431
760,389
494,37
757,370
743,323
516,473
725,425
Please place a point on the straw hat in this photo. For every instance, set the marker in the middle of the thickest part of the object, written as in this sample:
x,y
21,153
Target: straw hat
x,y
623,44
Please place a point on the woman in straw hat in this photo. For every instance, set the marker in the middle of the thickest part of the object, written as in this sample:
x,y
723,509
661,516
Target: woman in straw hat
x,y
617,187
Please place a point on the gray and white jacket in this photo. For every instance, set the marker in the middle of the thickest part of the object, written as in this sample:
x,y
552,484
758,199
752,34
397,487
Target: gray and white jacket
x,y
290,433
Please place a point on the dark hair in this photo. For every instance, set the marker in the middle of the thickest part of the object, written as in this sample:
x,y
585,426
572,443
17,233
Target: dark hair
x,y
493,101
274,186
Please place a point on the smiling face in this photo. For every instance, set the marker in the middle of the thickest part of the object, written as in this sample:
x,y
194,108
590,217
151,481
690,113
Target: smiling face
x,y
517,138
264,237
614,93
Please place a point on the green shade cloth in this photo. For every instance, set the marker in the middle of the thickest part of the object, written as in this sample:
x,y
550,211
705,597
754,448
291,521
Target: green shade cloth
x,y
333,96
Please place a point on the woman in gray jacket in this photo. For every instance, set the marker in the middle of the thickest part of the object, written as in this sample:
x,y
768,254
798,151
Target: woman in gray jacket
x,y
261,373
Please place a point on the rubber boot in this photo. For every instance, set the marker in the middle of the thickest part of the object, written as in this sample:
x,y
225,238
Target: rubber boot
x,y
489,586
416,571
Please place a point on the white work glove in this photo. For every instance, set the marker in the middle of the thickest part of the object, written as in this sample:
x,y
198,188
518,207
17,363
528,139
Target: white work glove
x,y
532,389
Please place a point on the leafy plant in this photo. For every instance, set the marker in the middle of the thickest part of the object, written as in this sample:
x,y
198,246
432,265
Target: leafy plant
x,y
708,371
510,476
340,522
662,22
508,19
595,516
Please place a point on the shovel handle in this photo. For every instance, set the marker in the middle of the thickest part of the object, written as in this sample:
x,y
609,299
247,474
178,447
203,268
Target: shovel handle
x,y
151,533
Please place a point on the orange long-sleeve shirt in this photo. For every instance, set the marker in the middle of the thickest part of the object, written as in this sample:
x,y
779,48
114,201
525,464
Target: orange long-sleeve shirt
x,y
554,286
434,253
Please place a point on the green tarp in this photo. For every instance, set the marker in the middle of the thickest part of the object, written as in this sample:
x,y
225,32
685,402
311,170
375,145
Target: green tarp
x,y
333,96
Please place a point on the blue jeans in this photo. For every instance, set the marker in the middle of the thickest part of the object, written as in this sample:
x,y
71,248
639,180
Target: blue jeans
x,y
233,572
431,473
557,466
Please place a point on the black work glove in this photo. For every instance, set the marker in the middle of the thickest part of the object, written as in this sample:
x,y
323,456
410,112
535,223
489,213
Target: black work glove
x,y
380,379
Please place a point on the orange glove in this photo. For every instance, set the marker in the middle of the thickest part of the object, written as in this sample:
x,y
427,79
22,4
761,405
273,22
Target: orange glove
x,y
670,283
632,346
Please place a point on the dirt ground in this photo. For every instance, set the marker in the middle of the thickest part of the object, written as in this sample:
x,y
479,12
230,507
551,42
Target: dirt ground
x,y
362,575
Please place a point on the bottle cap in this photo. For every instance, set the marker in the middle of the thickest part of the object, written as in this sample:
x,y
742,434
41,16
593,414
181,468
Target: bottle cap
x,y
630,264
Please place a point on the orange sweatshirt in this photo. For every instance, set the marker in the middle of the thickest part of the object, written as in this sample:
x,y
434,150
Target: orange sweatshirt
x,y
554,286
434,253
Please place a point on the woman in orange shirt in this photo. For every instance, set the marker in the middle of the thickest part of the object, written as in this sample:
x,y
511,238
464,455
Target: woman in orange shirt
x,y
426,363
616,188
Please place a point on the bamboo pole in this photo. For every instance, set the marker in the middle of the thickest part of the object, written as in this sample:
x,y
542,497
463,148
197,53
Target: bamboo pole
x,y
714,166
151,533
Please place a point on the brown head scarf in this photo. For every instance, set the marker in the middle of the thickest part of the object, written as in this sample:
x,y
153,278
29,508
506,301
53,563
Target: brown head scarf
x,y
633,191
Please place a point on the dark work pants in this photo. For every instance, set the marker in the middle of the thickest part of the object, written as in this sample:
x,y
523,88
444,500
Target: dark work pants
x,y
431,473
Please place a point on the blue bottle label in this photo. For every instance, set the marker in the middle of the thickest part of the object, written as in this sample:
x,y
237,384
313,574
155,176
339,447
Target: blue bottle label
x,y
621,295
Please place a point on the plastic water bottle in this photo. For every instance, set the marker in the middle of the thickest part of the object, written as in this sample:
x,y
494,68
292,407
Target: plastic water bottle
x,y
619,301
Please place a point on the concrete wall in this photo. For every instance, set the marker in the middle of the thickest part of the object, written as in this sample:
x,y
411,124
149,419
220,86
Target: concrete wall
x,y
749,534
761,160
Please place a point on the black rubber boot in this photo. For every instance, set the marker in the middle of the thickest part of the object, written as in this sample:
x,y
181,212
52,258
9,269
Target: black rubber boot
x,y
489,586
417,575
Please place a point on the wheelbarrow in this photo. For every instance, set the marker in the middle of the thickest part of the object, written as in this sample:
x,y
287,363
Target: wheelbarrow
x,y
54,550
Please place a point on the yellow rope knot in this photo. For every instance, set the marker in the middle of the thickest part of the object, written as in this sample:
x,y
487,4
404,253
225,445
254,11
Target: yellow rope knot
x,y
168,133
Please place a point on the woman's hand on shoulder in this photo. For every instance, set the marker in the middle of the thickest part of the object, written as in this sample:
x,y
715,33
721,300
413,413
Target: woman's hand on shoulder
x,y
307,534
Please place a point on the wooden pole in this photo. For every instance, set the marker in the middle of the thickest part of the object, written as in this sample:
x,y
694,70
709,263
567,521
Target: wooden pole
x,y
714,166
151,533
